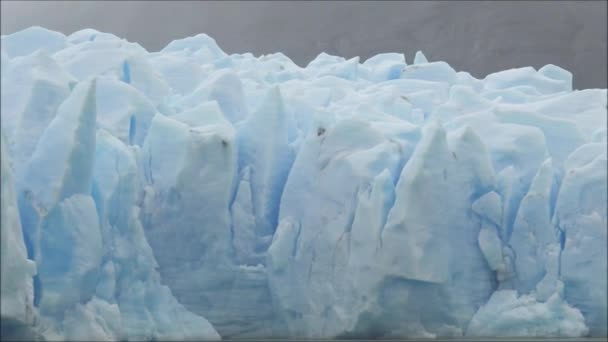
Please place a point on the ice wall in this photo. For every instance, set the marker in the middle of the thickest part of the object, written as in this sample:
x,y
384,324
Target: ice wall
x,y
192,194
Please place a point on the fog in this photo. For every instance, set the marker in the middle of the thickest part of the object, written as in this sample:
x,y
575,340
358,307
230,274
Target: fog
x,y
476,36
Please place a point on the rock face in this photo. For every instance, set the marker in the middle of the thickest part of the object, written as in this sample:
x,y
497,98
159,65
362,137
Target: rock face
x,y
191,194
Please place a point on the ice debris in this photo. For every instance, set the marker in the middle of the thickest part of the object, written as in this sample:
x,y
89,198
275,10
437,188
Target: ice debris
x,y
190,193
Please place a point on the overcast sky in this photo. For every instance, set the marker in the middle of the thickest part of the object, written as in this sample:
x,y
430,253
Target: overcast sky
x,y
476,36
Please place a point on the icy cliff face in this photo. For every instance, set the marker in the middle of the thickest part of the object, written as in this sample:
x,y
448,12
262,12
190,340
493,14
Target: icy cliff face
x,y
188,194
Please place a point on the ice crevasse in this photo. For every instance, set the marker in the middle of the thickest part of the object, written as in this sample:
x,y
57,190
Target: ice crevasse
x,y
194,194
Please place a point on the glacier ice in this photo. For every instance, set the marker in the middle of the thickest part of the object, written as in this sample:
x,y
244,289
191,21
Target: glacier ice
x,y
507,315
193,194
17,270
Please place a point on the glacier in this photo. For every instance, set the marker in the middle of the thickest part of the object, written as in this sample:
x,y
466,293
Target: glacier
x,y
192,194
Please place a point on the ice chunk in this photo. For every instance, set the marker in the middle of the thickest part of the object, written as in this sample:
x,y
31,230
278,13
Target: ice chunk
x,y
32,39
247,243
70,254
207,113
435,71
432,163
532,231
62,163
201,47
34,87
369,219
491,246
192,249
409,265
420,58
265,162
94,321
225,88
89,35
347,70
182,74
427,237
580,214
327,155
139,73
41,107
123,111
324,59
115,188
382,67
562,136
131,267
517,151
284,245
557,73
509,315
99,57
489,206
17,271
584,155
541,81
274,68
269,157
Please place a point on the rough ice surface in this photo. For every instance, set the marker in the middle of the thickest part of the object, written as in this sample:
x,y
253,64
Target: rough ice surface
x,y
193,194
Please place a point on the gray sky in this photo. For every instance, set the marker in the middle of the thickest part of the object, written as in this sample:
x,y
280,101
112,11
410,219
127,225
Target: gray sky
x,y
476,36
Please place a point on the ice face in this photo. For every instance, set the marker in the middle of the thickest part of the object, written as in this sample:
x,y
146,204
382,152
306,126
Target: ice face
x,y
17,270
33,39
193,194
508,315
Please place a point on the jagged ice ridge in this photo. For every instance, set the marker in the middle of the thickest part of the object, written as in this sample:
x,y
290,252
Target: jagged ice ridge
x,y
192,194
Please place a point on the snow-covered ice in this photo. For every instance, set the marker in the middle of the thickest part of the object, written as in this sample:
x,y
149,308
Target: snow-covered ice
x,y
194,194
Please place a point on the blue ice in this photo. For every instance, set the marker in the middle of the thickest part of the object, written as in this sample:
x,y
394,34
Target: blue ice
x,y
193,194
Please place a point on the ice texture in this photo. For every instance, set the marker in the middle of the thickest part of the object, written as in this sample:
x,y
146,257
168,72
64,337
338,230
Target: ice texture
x,y
17,270
194,194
